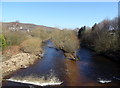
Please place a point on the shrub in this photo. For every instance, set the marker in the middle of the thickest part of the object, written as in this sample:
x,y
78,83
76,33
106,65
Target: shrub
x,y
41,33
66,40
86,37
106,43
32,45
2,41
103,37
15,38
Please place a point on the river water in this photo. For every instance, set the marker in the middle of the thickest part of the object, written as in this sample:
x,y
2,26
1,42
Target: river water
x,y
55,69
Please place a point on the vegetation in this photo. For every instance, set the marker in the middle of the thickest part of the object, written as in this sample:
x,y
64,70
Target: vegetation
x,y
31,42
2,41
66,40
14,38
32,45
106,43
41,33
63,39
102,37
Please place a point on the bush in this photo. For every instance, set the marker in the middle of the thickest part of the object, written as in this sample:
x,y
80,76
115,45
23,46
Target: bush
x,y
87,37
102,37
14,38
106,43
65,40
41,33
32,45
2,41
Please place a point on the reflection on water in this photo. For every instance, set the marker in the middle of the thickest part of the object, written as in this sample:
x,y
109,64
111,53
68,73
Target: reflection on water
x,y
54,69
98,68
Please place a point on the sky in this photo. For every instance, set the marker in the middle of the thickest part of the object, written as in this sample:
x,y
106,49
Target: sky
x,y
59,14
60,0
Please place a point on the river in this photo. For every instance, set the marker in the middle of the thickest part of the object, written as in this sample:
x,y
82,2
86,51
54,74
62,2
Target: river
x,y
55,69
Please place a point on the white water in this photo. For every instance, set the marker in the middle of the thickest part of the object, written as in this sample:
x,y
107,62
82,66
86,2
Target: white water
x,y
36,83
104,80
39,81
116,78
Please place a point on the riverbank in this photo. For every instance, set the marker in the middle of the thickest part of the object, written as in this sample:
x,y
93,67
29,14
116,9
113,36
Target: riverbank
x,y
18,61
113,56
54,68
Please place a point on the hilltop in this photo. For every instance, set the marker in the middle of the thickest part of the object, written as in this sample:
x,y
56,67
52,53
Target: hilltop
x,y
22,26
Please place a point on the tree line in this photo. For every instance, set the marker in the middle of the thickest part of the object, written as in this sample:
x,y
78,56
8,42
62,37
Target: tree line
x,y
102,37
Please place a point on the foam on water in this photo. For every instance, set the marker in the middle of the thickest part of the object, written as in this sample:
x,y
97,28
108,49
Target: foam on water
x,y
36,83
104,80
51,79
116,78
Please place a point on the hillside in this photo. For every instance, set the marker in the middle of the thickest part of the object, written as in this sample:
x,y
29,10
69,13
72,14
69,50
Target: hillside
x,y
24,26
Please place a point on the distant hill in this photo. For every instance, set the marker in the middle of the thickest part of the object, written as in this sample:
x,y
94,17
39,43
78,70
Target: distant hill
x,y
12,25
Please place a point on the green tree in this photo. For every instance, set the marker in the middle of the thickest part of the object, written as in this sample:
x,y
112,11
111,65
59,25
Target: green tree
x,y
2,41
